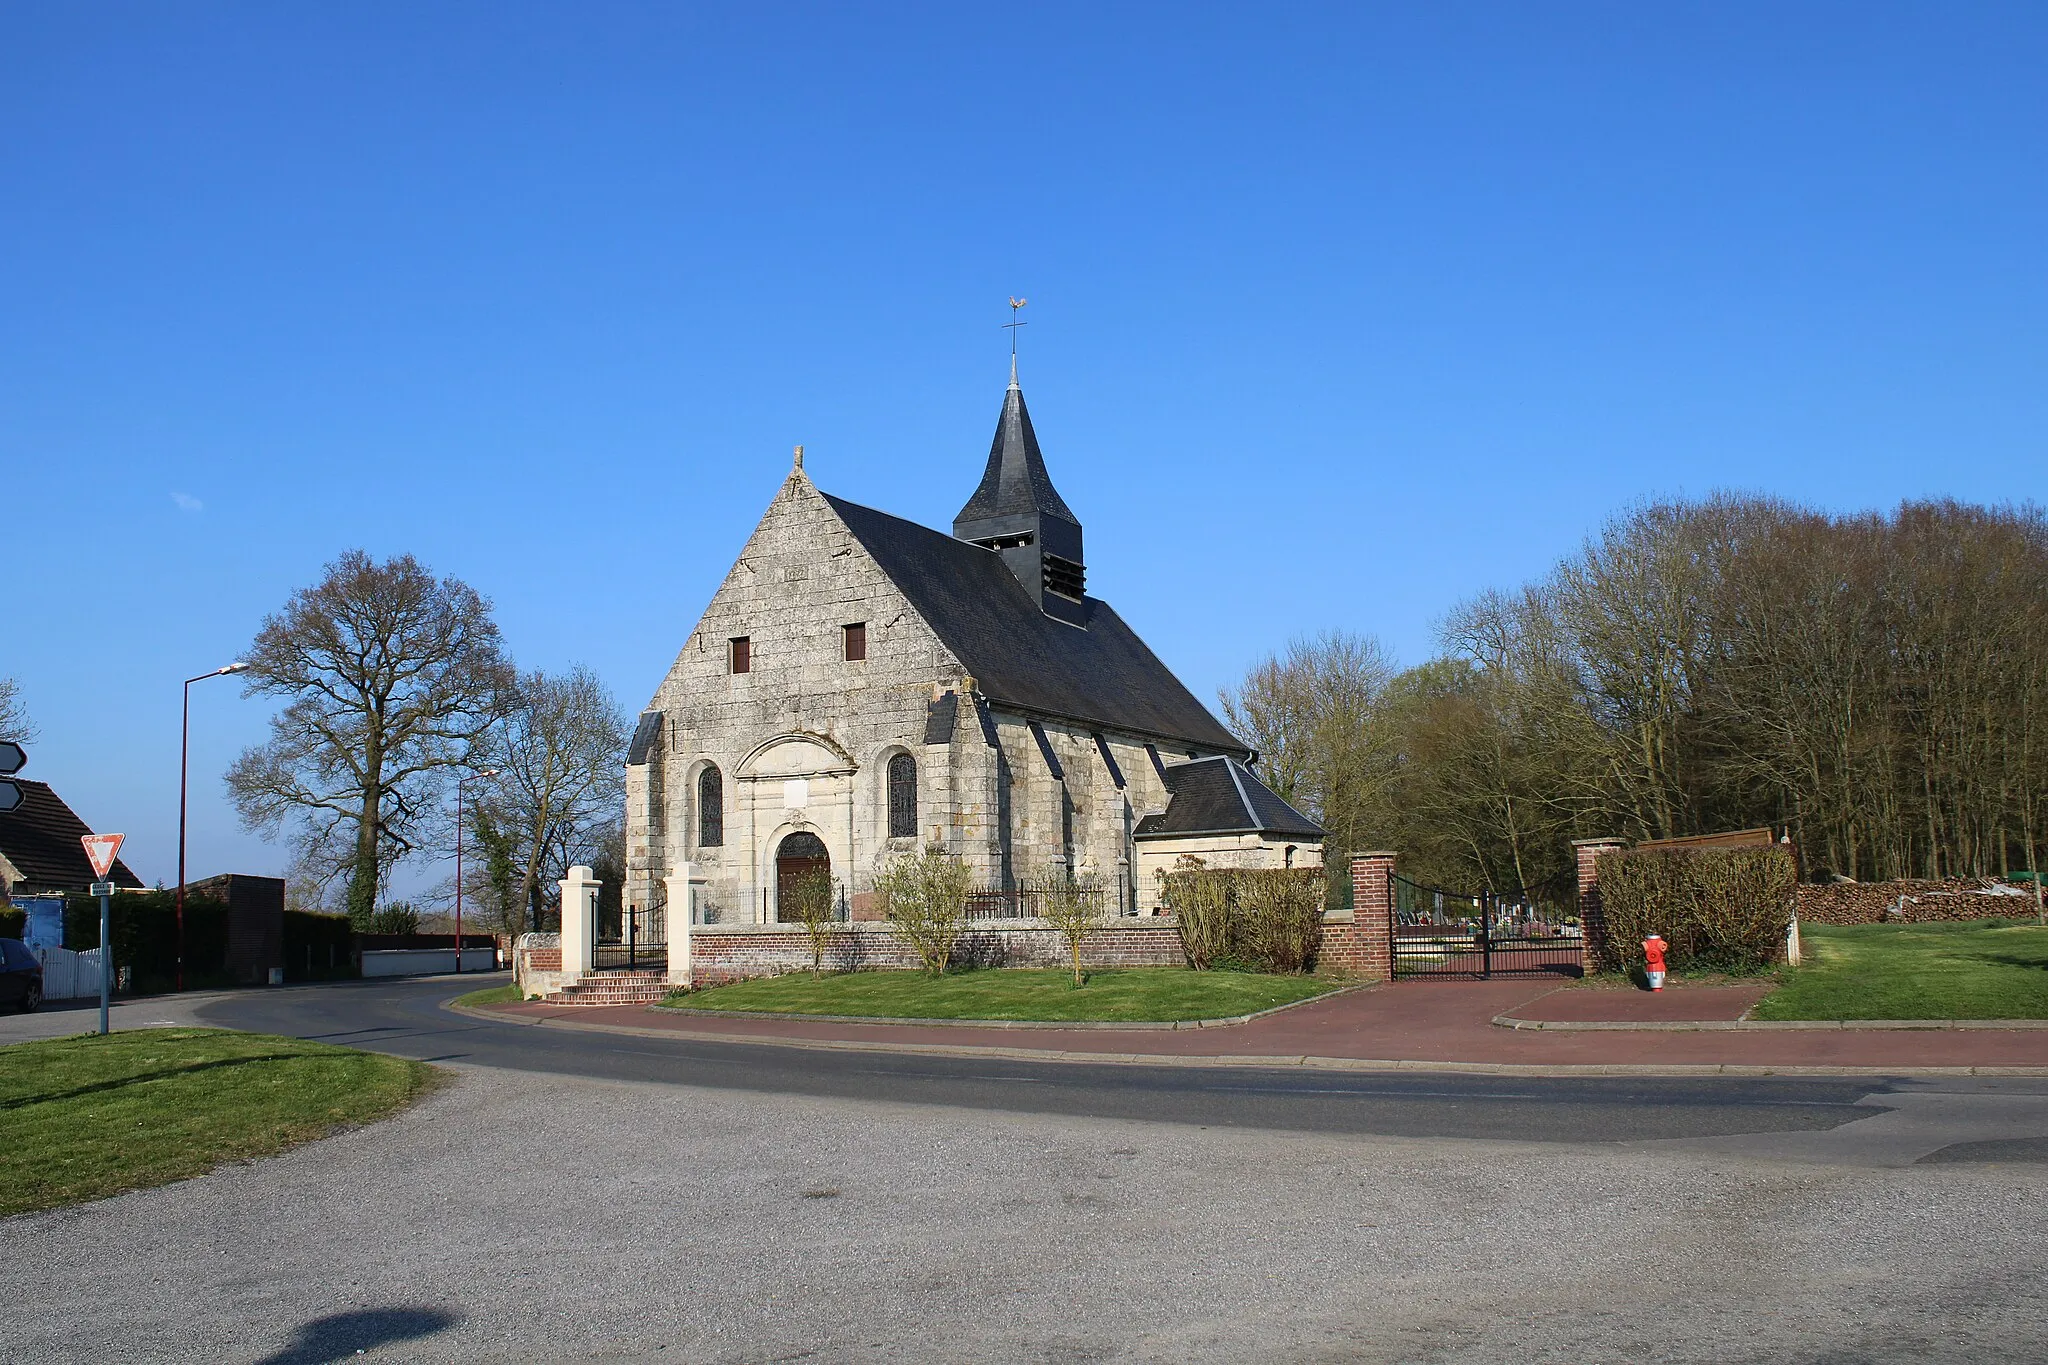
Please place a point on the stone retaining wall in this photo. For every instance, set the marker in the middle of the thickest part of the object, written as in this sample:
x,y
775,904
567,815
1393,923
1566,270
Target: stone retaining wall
x,y
537,964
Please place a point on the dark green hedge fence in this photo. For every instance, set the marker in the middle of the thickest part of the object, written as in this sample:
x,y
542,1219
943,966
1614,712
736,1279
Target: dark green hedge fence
x,y
1720,909
1267,919
318,947
144,929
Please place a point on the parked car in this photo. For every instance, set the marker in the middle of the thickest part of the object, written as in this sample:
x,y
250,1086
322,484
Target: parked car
x,y
21,976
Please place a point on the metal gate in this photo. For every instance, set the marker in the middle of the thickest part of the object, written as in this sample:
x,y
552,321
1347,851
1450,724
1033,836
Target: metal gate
x,y
1484,934
639,940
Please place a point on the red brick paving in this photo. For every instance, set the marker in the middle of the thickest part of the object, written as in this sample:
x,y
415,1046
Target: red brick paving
x,y
1671,1005
1410,1022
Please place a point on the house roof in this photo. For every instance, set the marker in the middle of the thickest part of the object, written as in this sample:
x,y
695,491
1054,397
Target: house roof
x,y
1100,674
1221,796
41,838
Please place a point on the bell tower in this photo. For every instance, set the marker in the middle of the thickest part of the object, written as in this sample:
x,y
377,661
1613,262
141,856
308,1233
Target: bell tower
x,y
1019,514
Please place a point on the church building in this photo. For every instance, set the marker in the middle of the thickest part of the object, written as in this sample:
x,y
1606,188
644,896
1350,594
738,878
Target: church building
x,y
862,686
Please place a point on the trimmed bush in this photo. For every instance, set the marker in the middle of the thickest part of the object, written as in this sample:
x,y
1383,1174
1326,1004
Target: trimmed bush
x,y
1720,909
318,947
144,929
1268,919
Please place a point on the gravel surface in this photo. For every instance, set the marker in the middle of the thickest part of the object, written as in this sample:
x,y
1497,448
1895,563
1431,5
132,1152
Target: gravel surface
x,y
524,1216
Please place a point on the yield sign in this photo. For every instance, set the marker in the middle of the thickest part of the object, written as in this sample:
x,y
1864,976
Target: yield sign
x,y
102,849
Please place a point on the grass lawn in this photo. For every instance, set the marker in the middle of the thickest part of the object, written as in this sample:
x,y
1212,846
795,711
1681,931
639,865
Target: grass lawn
x,y
495,995
1987,969
83,1118
1131,995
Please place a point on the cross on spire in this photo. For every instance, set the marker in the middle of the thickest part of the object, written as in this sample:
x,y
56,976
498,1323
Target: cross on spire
x,y
1011,326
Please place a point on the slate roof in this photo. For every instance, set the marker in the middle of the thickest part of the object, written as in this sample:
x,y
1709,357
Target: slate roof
x,y
1221,796
1016,482
1021,658
646,737
40,837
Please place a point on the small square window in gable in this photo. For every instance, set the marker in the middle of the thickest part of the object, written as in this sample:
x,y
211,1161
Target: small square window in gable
x,y
742,655
855,639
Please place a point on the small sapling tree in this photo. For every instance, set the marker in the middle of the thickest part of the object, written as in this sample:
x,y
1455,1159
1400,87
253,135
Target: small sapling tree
x,y
1074,905
807,899
925,896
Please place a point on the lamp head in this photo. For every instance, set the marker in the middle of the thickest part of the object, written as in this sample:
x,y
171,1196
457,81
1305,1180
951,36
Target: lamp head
x,y
236,667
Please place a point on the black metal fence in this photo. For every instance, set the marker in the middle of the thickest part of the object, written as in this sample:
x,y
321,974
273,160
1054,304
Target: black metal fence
x,y
639,941
1530,931
1028,902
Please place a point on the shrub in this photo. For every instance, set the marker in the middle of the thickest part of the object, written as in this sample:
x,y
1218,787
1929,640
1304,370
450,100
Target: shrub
x,y
397,917
13,922
1269,919
317,947
1279,924
807,899
1720,909
1074,905
1200,900
925,896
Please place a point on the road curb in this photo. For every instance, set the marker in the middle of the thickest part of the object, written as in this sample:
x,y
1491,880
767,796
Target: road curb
x,y
1237,1062
1509,1021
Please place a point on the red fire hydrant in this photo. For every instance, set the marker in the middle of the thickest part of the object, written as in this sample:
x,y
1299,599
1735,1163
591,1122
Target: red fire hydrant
x,y
1653,957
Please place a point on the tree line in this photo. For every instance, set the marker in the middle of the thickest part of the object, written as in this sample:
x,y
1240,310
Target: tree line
x,y
395,687
1873,685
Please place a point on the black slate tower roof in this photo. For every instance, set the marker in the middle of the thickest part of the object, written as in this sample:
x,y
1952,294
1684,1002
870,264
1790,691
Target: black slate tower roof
x,y
1019,514
1100,673
1221,796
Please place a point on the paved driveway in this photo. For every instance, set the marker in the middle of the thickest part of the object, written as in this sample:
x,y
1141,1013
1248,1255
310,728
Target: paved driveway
x,y
531,1214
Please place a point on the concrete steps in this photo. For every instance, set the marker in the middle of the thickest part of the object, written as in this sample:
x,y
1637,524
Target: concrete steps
x,y
613,988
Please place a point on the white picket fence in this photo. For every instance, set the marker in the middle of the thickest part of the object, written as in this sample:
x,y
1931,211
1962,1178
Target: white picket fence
x,y
68,975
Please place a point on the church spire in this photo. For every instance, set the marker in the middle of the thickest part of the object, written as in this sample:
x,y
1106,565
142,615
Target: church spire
x,y
1019,514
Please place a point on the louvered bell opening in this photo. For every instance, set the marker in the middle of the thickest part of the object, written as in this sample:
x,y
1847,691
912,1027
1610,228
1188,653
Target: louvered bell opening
x,y
1065,577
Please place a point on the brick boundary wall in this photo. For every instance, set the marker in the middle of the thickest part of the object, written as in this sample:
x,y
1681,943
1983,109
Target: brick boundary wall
x,y
1359,942
1592,915
722,953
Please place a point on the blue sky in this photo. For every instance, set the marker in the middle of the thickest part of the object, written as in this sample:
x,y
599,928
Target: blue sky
x,y
1338,314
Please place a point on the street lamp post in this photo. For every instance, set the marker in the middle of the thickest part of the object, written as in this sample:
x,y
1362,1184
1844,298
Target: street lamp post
x,y
460,784
184,765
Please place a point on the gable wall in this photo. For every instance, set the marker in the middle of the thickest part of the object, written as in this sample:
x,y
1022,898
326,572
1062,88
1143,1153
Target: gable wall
x,y
801,577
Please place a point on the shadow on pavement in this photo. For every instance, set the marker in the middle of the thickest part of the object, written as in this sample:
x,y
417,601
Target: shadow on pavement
x,y
339,1336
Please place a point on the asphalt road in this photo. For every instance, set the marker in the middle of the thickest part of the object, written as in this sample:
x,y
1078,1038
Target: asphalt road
x,y
406,1018
589,1197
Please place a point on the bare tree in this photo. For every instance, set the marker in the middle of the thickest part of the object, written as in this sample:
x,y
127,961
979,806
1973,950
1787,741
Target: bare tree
x,y
807,899
561,778
924,895
1075,905
14,721
391,677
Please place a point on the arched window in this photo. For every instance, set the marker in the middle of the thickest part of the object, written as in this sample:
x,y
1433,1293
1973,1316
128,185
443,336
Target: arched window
x,y
710,809
903,797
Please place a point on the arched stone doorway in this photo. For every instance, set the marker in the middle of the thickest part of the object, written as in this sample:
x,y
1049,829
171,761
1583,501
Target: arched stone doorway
x,y
799,853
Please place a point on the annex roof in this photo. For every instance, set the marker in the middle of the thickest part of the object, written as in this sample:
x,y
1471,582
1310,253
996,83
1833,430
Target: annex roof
x,y
1099,674
1221,796
40,837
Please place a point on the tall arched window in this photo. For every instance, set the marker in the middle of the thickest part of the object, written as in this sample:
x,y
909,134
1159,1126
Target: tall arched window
x,y
903,797
710,809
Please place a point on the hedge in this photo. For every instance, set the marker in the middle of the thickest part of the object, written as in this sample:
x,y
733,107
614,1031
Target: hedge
x,y
13,922
318,947
1720,909
1268,919
144,928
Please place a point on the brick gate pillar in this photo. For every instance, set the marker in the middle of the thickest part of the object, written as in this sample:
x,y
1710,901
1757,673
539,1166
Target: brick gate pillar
x,y
1360,941
1592,918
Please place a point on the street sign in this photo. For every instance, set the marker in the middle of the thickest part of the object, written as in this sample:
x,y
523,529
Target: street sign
x,y
100,889
102,849
12,757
